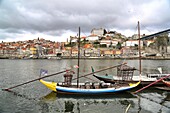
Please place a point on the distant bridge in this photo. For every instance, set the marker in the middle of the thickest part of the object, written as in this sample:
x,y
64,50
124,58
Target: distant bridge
x,y
152,35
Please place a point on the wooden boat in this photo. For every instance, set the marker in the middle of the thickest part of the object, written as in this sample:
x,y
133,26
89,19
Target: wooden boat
x,y
125,75
88,88
145,80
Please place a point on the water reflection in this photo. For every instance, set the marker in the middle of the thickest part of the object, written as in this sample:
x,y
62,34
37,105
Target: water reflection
x,y
69,106
54,96
158,102
120,103
167,97
44,107
90,103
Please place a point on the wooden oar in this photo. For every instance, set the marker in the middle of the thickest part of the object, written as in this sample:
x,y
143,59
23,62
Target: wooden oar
x,y
152,83
7,89
99,71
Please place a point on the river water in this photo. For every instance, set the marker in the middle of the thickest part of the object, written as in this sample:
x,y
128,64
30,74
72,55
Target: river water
x,y
35,98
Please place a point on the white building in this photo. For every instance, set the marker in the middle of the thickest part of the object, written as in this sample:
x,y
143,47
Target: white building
x,y
109,42
98,32
92,38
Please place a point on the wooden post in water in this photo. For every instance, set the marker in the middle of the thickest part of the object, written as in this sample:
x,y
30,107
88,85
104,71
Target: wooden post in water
x,y
139,48
78,58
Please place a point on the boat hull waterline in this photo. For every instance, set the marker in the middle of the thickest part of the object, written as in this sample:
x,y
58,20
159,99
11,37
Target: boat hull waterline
x,y
54,87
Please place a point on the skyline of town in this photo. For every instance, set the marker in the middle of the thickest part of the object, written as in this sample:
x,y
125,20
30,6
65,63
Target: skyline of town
x,y
99,43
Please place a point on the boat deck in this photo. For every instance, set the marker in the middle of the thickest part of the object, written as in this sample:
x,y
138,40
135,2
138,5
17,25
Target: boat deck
x,y
95,85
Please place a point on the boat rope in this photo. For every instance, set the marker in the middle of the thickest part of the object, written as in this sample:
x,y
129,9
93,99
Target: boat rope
x,y
22,95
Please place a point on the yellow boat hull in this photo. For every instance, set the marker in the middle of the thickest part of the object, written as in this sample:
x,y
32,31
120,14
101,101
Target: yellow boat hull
x,y
50,85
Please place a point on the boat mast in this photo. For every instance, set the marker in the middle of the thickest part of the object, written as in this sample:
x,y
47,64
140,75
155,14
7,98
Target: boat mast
x,y
139,47
78,59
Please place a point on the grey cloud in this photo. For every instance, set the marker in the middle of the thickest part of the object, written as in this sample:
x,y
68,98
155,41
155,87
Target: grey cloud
x,y
58,16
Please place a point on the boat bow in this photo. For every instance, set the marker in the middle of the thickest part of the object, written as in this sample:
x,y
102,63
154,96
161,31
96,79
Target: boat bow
x,y
50,85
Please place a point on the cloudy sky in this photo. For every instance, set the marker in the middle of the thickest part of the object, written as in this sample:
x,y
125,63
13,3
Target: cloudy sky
x,y
57,20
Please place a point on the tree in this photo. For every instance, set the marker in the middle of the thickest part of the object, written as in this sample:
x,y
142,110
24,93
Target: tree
x,y
103,45
118,46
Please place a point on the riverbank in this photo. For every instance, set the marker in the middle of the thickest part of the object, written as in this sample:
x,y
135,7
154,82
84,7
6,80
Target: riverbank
x,y
129,58
82,57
